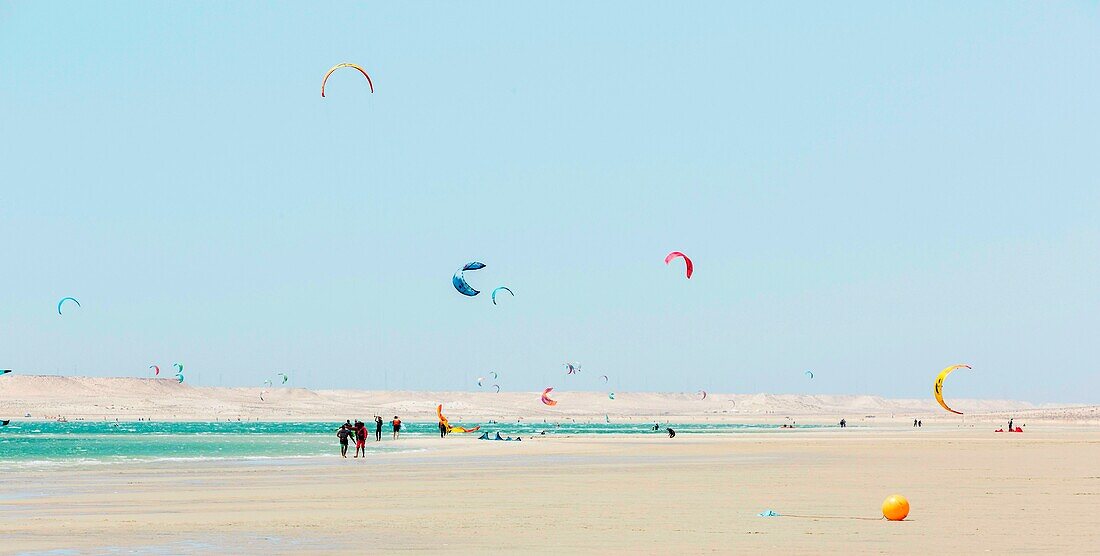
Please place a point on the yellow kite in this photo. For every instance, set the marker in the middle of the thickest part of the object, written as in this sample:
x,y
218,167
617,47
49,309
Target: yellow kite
x,y
938,388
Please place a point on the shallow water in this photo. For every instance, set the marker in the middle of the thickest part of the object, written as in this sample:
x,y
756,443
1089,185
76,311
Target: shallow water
x,y
49,443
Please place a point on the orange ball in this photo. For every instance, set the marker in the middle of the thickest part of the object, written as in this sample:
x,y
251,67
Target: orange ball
x,y
895,507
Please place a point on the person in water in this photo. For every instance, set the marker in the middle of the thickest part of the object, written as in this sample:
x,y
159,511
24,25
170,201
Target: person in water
x,y
342,434
396,426
656,427
671,433
360,438
377,428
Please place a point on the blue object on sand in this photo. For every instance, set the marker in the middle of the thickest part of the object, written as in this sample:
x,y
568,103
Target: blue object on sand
x,y
768,513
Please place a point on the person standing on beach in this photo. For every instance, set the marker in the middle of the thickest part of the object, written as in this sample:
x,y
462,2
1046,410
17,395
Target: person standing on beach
x,y
342,434
1010,429
396,426
442,429
360,438
377,428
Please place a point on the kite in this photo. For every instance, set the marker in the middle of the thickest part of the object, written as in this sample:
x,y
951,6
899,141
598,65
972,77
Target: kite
x,y
63,300
546,397
687,261
572,368
179,367
498,289
494,375
4,371
459,279
702,393
479,380
285,376
179,377
450,428
497,386
156,369
267,383
938,388
809,373
338,66
604,377
610,395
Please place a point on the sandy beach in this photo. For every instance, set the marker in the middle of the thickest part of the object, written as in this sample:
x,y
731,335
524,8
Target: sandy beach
x,y
972,491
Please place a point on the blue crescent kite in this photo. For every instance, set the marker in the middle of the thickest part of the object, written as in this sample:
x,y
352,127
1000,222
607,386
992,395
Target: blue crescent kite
x,y
459,280
809,373
505,288
63,300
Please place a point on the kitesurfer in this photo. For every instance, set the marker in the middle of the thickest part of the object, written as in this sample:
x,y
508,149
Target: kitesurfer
x,y
914,423
920,423
360,438
1010,429
442,429
377,428
396,426
342,434
656,426
843,423
671,433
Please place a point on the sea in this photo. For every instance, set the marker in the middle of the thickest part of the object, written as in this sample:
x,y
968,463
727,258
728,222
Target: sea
x,y
52,443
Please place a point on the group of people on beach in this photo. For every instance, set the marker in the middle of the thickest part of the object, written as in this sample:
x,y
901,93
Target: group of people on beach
x,y
358,433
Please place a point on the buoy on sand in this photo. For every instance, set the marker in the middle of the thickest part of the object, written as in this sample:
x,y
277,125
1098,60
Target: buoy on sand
x,y
895,507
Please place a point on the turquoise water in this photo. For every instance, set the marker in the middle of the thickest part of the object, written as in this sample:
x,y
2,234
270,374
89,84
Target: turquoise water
x,y
48,442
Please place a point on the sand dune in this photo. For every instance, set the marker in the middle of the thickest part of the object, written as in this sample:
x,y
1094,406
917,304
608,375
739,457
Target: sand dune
x,y
165,399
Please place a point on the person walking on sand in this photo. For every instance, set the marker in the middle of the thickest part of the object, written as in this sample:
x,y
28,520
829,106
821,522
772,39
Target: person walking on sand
x,y
342,434
377,428
360,438
1010,429
396,426
920,423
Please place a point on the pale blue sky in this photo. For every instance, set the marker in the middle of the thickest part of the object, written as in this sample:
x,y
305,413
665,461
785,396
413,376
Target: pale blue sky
x,y
870,190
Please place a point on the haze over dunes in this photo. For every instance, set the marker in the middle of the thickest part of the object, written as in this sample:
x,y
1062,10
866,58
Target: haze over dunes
x,y
132,398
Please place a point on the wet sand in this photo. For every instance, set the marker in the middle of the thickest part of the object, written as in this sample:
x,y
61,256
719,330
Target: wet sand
x,y
972,491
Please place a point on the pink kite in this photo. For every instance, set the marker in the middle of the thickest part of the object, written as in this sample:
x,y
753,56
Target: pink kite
x,y
546,398
687,261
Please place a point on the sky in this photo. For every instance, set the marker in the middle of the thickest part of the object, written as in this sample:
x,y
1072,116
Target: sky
x,y
869,190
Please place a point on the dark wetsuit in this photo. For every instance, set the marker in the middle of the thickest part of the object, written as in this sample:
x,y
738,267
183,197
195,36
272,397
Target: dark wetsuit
x,y
671,433
377,429
343,434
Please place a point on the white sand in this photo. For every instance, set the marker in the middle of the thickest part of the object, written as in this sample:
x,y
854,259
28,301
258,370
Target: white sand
x,y
972,492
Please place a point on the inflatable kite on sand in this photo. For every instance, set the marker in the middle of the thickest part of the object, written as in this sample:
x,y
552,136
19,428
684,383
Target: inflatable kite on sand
x,y
546,397
442,419
345,65
937,389
687,262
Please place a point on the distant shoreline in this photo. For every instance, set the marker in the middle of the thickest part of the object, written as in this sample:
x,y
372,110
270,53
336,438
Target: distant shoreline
x,y
131,399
